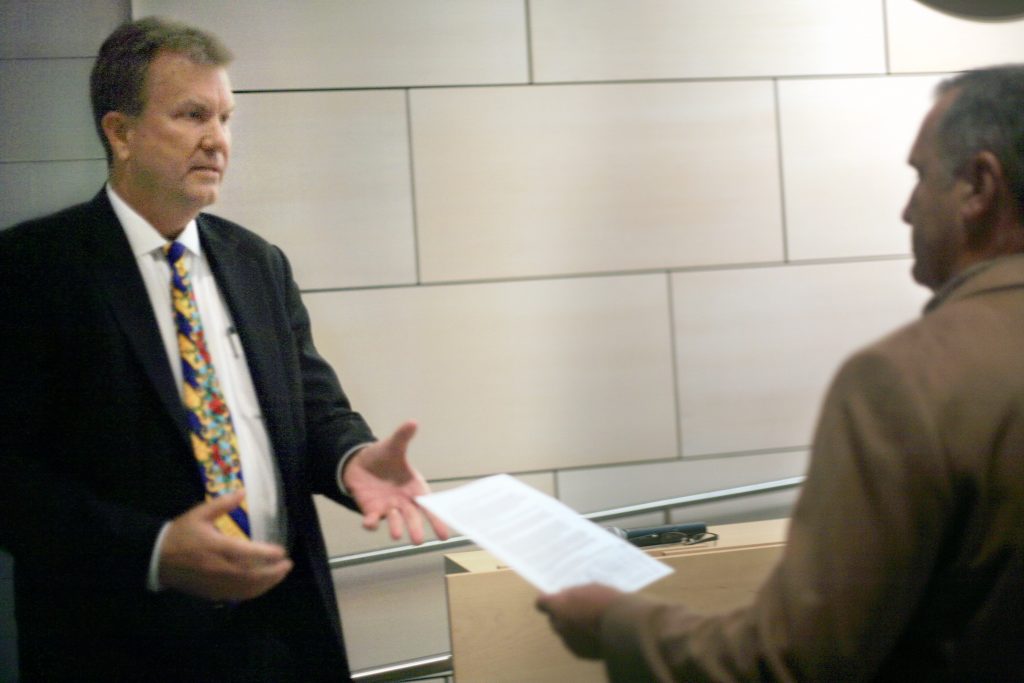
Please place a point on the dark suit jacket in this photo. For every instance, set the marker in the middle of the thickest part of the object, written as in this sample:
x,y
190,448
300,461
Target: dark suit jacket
x,y
95,457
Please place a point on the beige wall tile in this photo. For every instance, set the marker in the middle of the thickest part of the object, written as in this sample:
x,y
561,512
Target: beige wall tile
x,y
756,348
57,28
845,144
589,40
924,39
633,521
344,533
509,377
28,190
356,44
45,110
588,490
325,175
753,508
573,179
393,611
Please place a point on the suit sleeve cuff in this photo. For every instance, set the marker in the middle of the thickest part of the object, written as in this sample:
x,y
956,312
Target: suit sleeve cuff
x,y
630,640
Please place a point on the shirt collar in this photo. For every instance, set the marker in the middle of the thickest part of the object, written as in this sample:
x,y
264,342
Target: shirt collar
x,y
142,236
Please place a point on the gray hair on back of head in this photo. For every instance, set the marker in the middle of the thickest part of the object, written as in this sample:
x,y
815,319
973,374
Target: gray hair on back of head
x,y
987,114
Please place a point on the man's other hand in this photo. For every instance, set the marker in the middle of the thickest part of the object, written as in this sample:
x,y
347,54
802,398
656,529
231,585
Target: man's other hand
x,y
197,559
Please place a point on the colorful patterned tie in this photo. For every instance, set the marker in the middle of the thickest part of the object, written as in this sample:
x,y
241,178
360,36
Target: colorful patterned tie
x,y
213,437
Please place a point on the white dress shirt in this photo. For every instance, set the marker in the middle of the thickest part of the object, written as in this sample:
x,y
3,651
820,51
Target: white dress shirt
x,y
262,483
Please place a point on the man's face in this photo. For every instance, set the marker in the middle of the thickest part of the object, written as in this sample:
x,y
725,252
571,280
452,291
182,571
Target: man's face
x,y
177,149
932,211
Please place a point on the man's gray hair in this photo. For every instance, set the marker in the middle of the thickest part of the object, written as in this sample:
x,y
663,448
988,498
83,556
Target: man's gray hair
x,y
987,114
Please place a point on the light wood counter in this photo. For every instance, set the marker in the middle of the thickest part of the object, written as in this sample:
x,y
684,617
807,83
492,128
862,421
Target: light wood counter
x,y
497,635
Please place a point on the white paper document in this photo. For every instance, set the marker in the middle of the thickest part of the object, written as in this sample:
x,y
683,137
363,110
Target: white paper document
x,y
542,539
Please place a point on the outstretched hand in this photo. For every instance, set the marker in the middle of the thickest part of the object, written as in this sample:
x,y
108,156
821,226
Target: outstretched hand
x,y
385,487
576,614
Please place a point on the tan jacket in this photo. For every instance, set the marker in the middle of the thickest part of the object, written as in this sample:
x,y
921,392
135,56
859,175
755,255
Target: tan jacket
x,y
905,559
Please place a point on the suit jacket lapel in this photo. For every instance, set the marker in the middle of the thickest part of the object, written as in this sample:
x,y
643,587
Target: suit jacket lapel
x,y
249,297
118,275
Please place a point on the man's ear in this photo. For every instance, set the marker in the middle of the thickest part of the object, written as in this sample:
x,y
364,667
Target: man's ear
x,y
984,180
117,127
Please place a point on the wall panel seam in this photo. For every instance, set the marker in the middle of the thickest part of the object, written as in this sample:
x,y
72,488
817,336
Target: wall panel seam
x,y
529,41
618,81
412,188
781,169
623,273
673,342
885,36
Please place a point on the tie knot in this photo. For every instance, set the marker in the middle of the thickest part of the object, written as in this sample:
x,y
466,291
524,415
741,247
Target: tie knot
x,y
174,251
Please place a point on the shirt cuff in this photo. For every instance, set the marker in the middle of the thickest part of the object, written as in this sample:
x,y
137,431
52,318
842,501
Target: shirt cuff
x,y
153,578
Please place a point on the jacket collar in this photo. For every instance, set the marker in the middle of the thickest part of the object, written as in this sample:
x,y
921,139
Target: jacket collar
x,y
240,269
999,273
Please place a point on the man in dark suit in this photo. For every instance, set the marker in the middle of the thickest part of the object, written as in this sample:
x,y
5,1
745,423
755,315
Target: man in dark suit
x,y
139,554
905,556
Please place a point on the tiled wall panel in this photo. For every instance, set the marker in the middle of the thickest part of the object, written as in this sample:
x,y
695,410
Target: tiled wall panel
x,y
922,39
32,189
756,348
326,176
356,44
574,179
45,110
597,489
588,40
513,377
748,508
844,148
393,611
38,29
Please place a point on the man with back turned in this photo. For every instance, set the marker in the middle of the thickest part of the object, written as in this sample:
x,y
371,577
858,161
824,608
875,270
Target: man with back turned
x,y
165,417
905,556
